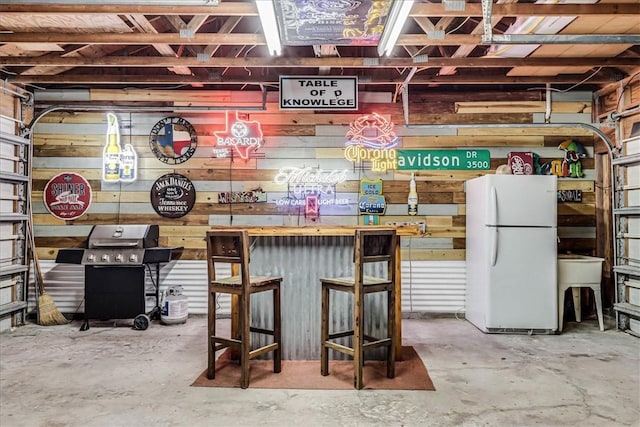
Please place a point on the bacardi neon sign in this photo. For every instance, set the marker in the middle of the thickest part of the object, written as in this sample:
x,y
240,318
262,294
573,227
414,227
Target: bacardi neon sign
x,y
241,136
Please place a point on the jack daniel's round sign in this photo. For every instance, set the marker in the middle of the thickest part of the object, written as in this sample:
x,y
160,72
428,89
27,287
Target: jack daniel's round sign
x,y
173,195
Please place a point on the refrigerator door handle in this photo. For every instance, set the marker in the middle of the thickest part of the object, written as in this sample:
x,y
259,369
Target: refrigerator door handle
x,y
493,207
494,246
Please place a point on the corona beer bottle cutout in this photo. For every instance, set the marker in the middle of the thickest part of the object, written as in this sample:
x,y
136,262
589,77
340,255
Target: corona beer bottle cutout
x,y
128,164
111,155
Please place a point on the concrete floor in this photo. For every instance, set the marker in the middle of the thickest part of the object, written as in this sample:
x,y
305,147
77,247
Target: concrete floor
x,y
114,376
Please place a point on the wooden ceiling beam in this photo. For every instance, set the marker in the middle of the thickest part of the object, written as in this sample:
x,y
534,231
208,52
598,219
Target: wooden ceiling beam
x,y
116,79
345,62
249,9
223,9
220,38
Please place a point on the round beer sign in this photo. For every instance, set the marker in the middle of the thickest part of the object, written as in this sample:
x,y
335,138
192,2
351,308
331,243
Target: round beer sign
x,y
173,195
67,196
173,140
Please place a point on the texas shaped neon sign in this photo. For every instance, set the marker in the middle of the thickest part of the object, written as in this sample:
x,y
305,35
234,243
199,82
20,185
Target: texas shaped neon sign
x,y
244,137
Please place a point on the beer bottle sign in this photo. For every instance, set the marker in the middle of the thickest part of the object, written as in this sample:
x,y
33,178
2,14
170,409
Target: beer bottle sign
x,y
128,164
111,154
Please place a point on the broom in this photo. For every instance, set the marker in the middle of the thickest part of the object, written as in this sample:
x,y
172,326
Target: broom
x,y
46,310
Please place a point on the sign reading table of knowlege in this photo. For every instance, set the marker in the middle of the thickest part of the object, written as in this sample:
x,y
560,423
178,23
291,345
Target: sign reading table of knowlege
x,y
443,160
319,93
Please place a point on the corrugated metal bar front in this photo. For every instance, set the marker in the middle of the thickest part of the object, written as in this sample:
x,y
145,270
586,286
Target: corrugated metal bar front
x,y
427,287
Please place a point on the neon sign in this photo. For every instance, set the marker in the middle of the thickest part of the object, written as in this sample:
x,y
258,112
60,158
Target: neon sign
x,y
309,180
243,137
118,164
371,138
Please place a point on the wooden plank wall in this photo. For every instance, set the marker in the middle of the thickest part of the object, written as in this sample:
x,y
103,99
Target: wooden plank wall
x,y
73,141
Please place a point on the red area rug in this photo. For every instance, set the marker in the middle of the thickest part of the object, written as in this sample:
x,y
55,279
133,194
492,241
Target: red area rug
x,y
411,374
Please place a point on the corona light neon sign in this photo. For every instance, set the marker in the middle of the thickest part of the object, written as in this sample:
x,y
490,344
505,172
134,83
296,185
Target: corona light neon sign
x,y
372,138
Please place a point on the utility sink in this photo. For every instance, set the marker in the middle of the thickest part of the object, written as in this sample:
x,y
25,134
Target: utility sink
x,y
579,270
575,272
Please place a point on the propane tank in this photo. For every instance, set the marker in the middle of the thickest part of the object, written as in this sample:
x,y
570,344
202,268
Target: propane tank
x,y
175,306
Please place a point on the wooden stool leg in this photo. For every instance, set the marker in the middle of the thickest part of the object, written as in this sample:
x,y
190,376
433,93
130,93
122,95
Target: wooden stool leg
x,y
277,332
324,332
211,322
391,320
245,346
358,356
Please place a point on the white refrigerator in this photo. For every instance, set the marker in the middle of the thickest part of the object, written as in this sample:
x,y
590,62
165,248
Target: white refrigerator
x,y
511,253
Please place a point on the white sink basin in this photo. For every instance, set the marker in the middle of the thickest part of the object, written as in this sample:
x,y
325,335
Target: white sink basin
x,y
579,270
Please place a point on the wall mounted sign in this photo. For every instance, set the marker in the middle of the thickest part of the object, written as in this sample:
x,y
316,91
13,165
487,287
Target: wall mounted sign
x,y
173,195
371,202
310,180
254,196
117,164
337,22
67,195
173,140
318,93
371,138
566,196
443,159
240,137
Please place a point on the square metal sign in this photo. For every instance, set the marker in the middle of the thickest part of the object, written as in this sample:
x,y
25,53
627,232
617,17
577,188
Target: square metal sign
x,y
319,93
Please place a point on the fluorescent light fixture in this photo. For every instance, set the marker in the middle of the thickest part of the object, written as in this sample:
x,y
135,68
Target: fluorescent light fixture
x,y
267,14
393,27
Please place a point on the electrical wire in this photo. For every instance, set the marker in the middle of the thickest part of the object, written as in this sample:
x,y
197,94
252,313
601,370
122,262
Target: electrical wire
x,y
589,77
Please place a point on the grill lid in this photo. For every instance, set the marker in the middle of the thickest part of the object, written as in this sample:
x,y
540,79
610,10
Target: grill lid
x,y
124,236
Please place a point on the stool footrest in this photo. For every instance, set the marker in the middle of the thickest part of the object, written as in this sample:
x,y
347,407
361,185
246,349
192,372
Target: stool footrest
x,y
225,342
341,334
379,343
339,347
262,331
262,350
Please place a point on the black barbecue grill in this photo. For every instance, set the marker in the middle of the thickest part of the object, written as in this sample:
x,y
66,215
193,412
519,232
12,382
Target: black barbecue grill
x,y
116,260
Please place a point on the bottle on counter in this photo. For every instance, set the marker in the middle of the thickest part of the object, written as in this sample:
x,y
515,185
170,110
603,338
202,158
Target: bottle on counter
x,y
413,196
111,155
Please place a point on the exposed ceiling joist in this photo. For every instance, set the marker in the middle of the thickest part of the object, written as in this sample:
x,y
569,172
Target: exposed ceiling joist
x,y
338,62
427,10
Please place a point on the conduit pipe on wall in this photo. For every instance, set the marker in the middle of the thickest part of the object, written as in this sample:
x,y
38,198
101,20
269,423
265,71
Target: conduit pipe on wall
x,y
137,109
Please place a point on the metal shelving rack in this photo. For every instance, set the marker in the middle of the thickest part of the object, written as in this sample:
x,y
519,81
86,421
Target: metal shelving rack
x,y
626,217
14,217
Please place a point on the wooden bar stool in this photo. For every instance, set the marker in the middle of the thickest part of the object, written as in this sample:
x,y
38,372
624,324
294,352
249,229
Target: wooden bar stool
x,y
371,246
232,247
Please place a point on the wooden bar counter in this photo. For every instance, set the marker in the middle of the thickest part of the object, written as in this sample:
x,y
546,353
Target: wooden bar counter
x,y
301,237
